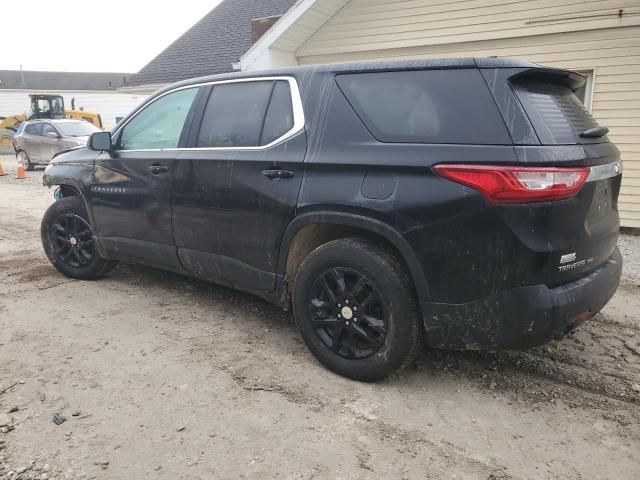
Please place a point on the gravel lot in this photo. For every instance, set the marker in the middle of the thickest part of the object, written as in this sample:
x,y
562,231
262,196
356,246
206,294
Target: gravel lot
x,y
630,248
160,376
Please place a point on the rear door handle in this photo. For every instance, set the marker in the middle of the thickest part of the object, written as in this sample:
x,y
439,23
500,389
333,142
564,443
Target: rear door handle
x,y
277,174
158,169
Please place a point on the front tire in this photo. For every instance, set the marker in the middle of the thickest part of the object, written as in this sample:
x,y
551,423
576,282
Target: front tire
x,y
68,241
25,160
355,307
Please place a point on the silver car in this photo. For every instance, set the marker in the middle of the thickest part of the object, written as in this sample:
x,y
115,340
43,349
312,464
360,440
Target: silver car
x,y
37,141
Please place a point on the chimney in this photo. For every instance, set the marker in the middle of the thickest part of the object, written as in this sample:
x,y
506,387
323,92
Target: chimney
x,y
260,25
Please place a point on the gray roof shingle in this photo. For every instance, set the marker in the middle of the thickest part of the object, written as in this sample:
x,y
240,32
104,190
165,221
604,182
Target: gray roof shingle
x,y
32,80
211,45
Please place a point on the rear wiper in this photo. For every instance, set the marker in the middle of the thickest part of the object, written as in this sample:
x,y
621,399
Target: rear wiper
x,y
595,132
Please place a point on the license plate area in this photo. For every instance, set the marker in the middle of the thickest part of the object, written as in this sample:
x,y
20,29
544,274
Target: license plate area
x,y
601,212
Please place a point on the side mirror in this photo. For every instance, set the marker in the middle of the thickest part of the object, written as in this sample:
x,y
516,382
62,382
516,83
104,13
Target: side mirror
x,y
100,141
52,135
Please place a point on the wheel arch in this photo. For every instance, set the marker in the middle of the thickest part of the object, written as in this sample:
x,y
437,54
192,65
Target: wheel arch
x,y
308,231
69,188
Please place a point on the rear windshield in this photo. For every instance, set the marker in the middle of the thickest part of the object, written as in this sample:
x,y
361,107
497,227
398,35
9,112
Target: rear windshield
x,y
426,106
557,114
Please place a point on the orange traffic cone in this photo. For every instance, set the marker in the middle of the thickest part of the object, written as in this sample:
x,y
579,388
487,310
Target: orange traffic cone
x,y
20,173
2,174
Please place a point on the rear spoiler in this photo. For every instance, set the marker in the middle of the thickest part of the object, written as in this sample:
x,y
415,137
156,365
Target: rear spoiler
x,y
567,78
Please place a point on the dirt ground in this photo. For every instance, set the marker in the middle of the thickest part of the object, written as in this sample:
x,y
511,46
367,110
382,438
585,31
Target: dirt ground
x,y
160,376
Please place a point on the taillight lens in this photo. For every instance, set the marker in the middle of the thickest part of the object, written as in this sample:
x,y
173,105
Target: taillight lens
x,y
517,184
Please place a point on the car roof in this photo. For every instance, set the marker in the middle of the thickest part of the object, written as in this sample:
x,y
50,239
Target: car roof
x,y
55,121
361,67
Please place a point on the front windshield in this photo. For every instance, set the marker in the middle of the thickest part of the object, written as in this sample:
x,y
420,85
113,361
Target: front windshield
x,y
77,129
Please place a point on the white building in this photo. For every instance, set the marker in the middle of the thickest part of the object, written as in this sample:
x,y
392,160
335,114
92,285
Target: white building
x,y
94,92
599,38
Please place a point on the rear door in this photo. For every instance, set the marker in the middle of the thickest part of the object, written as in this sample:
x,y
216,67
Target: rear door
x,y
32,140
236,188
131,185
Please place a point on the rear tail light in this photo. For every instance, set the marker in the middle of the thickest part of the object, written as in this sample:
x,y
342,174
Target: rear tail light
x,y
517,184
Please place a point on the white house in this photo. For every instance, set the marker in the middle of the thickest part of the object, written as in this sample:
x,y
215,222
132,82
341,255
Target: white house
x,y
600,38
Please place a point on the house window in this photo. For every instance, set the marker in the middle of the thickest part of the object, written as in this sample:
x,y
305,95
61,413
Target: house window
x,y
585,93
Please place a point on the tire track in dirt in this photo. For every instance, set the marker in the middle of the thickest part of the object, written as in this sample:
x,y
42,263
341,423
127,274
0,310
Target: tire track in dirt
x,y
568,374
606,320
533,381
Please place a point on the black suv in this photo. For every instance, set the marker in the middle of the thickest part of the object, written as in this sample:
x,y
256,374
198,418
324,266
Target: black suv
x,y
469,202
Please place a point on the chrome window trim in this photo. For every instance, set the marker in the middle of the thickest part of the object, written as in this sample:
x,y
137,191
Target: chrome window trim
x,y
602,172
296,102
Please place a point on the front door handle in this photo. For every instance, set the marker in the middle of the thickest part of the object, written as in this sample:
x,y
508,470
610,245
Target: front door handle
x,y
277,174
158,169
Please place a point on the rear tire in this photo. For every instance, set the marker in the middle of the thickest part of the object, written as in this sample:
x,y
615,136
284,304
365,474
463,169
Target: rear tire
x,y
355,307
68,241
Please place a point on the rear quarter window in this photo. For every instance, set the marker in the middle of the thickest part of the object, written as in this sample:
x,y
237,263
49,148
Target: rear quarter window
x,y
426,106
556,113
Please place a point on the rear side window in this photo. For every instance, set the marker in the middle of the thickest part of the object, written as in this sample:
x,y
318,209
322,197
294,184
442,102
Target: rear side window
x,y
426,106
246,114
48,128
557,114
234,115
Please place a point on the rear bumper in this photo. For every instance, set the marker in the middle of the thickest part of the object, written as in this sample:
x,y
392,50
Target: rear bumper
x,y
521,317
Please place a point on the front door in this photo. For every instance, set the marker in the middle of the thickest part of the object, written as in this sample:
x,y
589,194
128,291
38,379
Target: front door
x,y
131,185
236,191
50,143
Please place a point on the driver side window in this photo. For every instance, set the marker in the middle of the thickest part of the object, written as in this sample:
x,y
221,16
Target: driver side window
x,y
48,128
160,124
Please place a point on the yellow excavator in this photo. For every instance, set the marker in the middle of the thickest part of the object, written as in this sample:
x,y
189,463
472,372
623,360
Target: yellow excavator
x,y
42,107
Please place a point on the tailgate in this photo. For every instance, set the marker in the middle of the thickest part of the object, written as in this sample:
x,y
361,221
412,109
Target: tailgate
x,y
574,236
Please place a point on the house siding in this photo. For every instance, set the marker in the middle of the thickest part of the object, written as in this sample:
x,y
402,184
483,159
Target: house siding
x,y
587,35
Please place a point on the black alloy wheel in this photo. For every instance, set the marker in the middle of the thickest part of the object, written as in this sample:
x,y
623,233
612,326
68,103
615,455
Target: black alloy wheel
x,y
73,240
355,306
69,241
348,313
